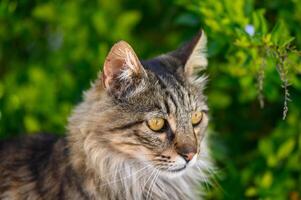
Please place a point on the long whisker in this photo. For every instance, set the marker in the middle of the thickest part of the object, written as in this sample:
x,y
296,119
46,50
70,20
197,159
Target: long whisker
x,y
214,176
155,183
152,173
122,178
152,184
114,172
204,178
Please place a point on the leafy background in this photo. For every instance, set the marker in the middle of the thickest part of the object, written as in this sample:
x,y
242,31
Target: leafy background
x,y
50,51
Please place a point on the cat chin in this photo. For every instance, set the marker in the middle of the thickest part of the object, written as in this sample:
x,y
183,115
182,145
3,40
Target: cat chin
x,y
174,173
179,171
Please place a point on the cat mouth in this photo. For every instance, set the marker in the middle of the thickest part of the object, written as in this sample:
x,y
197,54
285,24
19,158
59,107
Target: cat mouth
x,y
177,170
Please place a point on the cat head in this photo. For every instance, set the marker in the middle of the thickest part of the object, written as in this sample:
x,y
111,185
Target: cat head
x,y
152,111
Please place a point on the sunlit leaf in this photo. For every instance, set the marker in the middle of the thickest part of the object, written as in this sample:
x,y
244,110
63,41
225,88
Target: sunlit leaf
x,y
286,148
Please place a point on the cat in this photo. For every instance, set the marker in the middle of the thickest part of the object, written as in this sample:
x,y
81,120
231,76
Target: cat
x,y
140,133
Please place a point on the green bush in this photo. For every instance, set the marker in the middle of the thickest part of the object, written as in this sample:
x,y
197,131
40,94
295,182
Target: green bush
x,y
50,51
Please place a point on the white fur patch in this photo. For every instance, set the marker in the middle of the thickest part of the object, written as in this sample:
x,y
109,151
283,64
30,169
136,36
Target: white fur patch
x,y
193,160
130,66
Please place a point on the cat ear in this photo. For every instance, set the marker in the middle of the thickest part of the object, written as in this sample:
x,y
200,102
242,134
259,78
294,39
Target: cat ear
x,y
193,54
121,65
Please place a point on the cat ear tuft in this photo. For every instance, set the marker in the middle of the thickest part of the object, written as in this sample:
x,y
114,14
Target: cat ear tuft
x,y
197,59
193,55
121,64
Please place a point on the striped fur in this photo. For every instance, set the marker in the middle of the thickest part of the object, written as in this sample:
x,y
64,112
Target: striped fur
x,y
109,152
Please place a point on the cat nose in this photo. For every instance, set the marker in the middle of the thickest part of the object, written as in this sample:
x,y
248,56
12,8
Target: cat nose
x,y
187,152
188,157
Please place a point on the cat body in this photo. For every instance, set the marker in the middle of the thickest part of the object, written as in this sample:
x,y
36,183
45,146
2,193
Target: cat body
x,y
138,134
37,167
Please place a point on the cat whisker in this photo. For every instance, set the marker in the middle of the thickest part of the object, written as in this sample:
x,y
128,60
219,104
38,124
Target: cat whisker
x,y
152,184
118,169
212,173
128,176
152,173
204,178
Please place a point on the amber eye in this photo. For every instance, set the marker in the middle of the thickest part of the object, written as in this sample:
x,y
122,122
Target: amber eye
x,y
156,123
196,117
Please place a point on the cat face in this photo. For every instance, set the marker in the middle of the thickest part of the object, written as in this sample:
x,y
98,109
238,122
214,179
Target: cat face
x,y
168,113
154,111
169,133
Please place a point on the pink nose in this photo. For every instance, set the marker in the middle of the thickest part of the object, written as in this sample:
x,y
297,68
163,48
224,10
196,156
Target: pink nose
x,y
187,152
189,156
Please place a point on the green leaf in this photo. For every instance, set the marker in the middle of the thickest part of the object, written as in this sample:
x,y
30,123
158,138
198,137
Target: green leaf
x,y
31,124
286,148
251,192
280,34
259,22
288,41
267,180
265,147
45,12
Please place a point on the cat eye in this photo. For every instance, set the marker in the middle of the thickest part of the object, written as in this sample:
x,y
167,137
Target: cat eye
x,y
156,123
196,117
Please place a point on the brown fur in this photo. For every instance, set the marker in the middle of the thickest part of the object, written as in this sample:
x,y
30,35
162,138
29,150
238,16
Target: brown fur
x,y
110,152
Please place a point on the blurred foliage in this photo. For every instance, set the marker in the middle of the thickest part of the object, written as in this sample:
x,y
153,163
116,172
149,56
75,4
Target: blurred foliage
x,y
51,50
